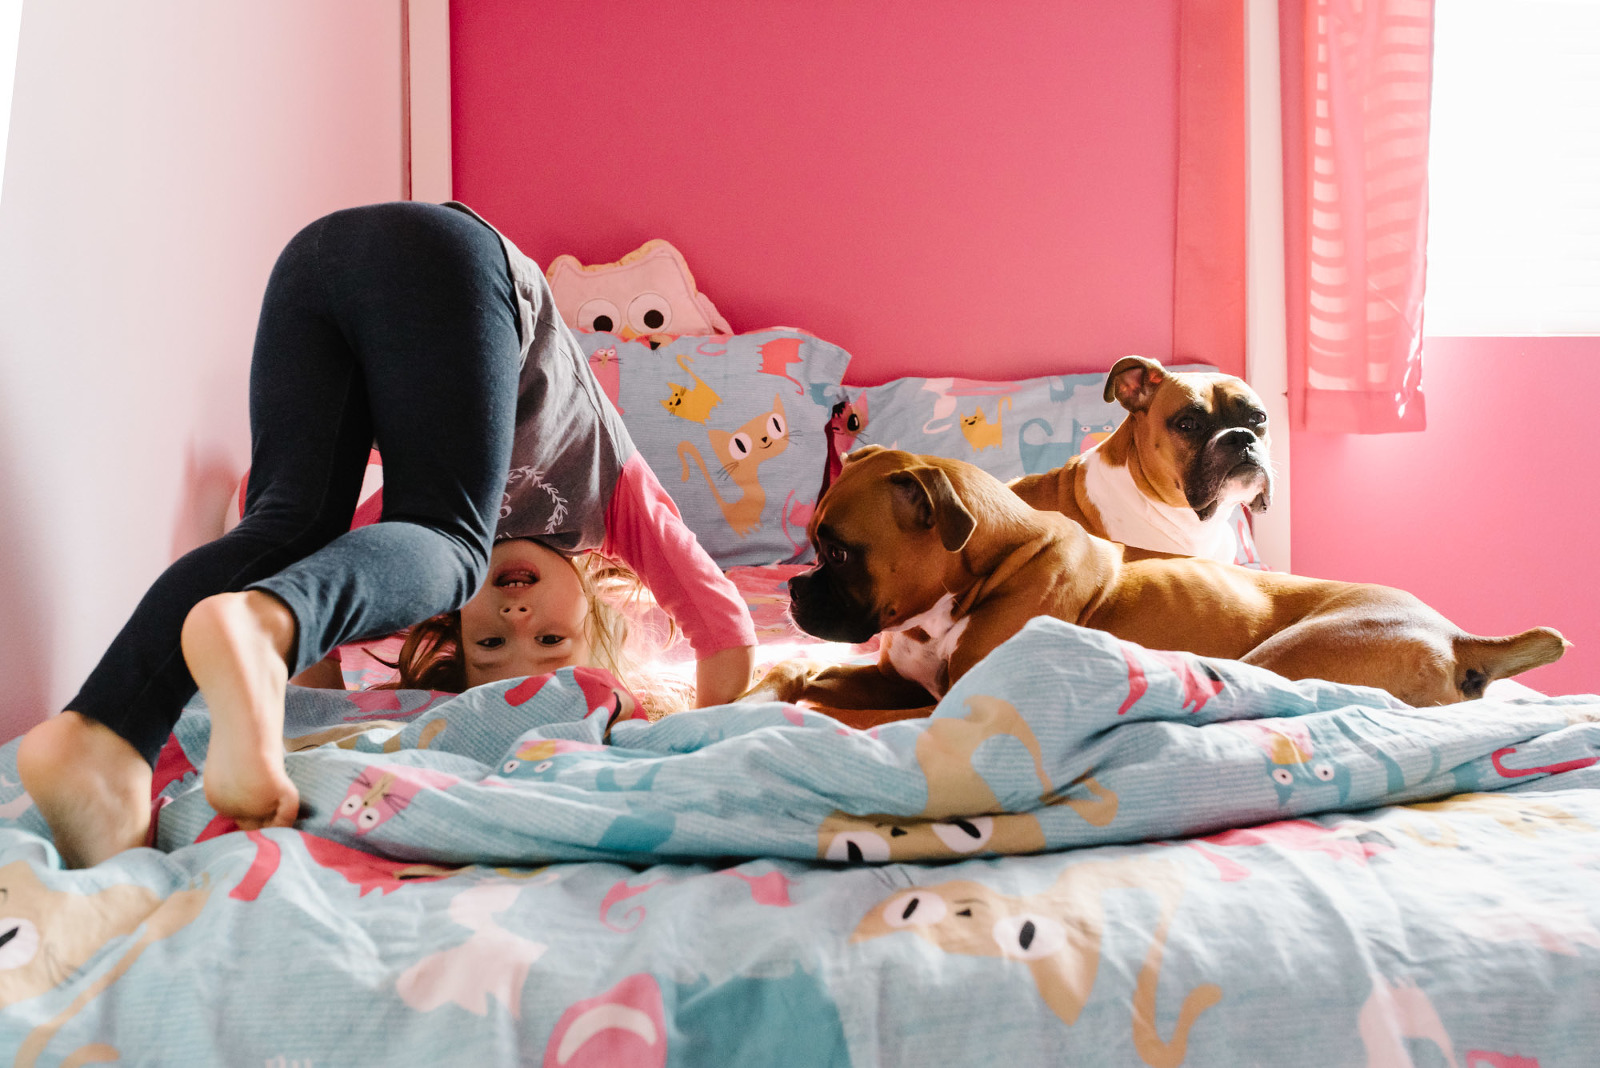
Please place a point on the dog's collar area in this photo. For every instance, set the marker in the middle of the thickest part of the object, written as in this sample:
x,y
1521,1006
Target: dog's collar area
x,y
934,622
1132,518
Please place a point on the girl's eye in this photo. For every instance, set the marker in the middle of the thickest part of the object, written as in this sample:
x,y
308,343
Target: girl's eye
x,y
551,639
491,643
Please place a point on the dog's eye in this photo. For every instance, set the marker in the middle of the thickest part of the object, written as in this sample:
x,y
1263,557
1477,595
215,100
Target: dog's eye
x,y
1188,424
836,554
1258,418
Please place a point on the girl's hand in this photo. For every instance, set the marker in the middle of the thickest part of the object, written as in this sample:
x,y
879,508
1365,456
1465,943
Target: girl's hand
x,y
724,675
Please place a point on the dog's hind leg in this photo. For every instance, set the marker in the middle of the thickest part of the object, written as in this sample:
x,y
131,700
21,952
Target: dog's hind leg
x,y
1408,657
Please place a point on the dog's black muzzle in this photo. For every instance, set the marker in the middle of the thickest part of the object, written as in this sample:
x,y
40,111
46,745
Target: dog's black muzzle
x,y
825,607
1234,454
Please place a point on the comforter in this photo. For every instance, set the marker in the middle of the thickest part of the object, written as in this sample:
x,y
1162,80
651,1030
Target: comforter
x,y
1092,853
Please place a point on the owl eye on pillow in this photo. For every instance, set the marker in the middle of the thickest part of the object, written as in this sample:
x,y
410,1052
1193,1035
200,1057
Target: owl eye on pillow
x,y
649,293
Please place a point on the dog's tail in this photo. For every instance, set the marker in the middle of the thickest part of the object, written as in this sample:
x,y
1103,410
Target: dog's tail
x,y
1479,661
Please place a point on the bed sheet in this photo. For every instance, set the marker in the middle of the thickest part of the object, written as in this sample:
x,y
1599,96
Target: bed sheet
x,y
1092,853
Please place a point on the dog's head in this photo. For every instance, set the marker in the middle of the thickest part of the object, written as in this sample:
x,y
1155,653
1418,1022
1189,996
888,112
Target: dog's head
x,y
882,532
1202,438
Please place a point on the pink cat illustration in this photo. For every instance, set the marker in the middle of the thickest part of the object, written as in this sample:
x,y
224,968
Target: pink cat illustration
x,y
382,790
491,965
777,355
608,372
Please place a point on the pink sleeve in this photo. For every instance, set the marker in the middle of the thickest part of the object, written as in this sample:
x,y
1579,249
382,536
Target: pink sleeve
x,y
645,531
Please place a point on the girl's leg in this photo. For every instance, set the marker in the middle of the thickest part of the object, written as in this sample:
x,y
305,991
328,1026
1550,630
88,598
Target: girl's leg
x,y
423,297
88,769
416,298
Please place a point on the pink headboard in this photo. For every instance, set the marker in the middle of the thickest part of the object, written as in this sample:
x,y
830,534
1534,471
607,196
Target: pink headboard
x,y
939,187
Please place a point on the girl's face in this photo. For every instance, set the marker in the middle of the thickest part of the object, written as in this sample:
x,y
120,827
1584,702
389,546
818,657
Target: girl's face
x,y
529,618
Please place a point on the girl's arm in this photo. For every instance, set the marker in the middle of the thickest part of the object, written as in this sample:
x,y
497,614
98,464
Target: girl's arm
x,y
721,677
645,531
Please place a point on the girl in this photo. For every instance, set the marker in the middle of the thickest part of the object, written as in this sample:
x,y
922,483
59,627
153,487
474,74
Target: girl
x,y
537,612
422,328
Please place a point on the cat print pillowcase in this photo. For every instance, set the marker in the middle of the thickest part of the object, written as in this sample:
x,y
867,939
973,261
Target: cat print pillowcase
x,y
1008,428
735,428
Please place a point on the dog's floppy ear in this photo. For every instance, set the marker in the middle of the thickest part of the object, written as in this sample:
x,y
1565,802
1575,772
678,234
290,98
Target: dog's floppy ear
x,y
924,497
1133,381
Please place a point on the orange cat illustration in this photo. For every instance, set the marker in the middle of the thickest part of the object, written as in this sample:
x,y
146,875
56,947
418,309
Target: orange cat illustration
x,y
47,937
1056,933
979,433
963,816
693,404
741,454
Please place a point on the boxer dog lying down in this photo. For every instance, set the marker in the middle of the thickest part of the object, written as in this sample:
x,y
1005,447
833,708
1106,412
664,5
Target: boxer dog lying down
x,y
946,562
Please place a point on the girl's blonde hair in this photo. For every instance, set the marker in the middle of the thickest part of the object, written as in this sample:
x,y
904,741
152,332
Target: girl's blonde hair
x,y
431,658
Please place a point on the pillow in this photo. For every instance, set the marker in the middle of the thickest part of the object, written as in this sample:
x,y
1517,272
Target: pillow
x,y
1008,428
734,426
648,293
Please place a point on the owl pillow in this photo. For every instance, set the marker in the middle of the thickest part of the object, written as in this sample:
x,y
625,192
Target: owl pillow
x,y
648,294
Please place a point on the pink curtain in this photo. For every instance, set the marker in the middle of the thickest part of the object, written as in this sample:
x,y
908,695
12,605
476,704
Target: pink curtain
x,y
1357,82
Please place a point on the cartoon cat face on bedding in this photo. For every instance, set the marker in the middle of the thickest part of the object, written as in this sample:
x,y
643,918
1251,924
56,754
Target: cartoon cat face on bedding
x,y
963,816
1056,934
48,936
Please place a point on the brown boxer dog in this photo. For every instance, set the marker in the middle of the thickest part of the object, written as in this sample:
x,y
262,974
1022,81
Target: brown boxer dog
x,y
1192,446
946,562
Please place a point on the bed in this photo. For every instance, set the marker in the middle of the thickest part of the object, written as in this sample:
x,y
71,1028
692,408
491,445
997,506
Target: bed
x,y
1092,853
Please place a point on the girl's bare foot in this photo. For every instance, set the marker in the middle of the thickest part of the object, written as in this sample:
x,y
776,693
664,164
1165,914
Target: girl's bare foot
x,y
235,644
90,785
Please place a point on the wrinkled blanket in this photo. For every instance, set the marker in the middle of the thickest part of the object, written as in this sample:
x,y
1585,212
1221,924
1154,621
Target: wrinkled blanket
x,y
1091,851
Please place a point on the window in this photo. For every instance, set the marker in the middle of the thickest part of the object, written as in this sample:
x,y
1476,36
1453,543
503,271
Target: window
x,y
1514,168
10,29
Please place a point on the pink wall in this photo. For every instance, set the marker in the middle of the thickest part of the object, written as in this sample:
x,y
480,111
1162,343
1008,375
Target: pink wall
x,y
938,186
160,154
1491,514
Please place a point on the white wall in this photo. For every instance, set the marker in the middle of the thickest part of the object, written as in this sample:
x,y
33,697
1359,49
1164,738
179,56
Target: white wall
x,y
161,153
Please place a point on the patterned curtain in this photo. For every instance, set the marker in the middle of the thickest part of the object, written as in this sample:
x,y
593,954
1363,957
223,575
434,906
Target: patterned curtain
x,y
1356,202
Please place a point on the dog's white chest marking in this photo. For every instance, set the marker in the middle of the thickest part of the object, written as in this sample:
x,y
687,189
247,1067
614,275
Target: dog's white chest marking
x,y
1134,519
922,645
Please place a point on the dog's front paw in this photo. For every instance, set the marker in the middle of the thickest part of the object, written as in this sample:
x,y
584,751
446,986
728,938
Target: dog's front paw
x,y
784,681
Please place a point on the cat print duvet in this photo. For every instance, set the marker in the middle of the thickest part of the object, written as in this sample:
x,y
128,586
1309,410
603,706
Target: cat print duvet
x,y
1082,857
